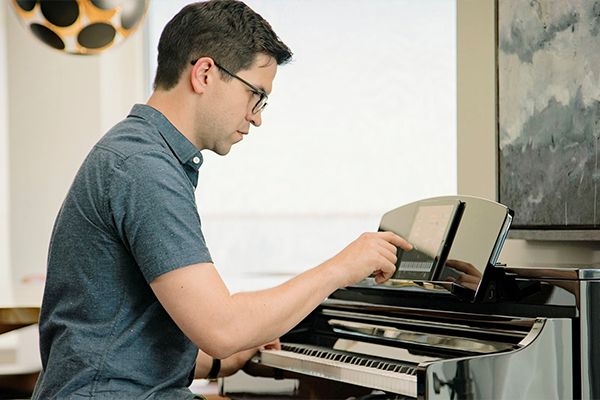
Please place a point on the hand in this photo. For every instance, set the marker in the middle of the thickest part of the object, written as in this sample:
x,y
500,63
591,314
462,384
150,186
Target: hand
x,y
261,370
469,277
234,363
372,253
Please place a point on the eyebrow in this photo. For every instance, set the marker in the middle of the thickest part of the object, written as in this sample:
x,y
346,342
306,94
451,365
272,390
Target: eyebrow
x,y
261,88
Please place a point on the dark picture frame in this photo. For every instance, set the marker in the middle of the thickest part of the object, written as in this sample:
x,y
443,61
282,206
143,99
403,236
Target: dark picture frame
x,y
548,117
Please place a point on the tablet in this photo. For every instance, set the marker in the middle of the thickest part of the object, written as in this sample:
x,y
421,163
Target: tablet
x,y
431,233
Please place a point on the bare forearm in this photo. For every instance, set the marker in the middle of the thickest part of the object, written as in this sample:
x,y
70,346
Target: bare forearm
x,y
203,365
221,324
267,314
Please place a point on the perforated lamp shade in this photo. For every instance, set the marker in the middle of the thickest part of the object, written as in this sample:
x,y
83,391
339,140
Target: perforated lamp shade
x,y
81,26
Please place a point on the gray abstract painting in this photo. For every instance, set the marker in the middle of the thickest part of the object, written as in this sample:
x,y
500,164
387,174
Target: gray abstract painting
x,y
549,112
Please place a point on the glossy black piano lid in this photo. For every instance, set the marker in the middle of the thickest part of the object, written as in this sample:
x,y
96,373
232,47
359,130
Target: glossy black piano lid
x,y
550,301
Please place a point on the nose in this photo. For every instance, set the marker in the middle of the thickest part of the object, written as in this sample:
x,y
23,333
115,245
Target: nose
x,y
254,119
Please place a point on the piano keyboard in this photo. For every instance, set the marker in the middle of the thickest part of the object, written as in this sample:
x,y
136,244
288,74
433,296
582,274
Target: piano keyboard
x,y
353,368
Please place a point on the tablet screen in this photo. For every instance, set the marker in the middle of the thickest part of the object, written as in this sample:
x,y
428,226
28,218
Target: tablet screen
x,y
430,234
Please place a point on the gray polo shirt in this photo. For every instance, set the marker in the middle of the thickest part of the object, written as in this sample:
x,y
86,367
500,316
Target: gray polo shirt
x,y
129,217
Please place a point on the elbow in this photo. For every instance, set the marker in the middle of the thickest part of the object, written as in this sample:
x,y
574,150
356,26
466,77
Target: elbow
x,y
219,353
219,344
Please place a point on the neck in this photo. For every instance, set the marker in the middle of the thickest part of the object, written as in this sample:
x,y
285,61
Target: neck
x,y
177,110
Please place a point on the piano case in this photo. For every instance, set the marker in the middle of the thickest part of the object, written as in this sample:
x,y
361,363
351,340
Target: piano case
x,y
524,333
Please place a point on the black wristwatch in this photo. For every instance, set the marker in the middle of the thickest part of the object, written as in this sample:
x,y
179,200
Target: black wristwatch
x,y
215,369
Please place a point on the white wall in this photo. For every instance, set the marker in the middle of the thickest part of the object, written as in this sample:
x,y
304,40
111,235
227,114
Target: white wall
x,y
361,121
5,275
59,106
476,152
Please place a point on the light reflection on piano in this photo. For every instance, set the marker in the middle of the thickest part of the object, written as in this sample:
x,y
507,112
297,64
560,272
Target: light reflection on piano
x,y
482,331
410,342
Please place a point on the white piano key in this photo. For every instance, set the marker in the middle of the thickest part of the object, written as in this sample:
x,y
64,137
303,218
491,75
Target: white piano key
x,y
390,381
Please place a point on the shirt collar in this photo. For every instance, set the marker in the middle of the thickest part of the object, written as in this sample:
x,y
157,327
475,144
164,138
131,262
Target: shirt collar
x,y
182,148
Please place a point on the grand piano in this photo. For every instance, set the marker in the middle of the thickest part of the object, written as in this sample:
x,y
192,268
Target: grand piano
x,y
514,332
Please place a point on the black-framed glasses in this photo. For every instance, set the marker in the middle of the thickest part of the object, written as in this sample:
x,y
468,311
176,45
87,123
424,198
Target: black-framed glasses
x,y
262,95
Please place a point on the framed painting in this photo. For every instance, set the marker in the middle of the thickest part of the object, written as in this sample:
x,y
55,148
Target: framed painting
x,y
548,117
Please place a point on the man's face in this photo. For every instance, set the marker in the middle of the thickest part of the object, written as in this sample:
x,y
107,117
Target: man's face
x,y
233,109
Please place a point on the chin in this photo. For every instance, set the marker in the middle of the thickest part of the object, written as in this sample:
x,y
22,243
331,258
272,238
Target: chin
x,y
222,151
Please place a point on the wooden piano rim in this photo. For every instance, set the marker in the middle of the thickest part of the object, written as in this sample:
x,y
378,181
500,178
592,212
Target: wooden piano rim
x,y
17,317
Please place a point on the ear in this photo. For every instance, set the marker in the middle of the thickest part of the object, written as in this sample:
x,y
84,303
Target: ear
x,y
202,74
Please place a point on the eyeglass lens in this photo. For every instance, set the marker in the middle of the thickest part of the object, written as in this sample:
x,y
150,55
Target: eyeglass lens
x,y
260,104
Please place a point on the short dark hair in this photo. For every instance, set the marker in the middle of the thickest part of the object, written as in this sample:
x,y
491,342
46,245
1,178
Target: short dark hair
x,y
228,31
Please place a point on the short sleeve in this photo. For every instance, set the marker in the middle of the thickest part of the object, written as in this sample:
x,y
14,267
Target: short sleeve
x,y
152,203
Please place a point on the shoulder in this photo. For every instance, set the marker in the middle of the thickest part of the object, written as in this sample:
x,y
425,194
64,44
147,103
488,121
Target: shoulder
x,y
132,136
134,149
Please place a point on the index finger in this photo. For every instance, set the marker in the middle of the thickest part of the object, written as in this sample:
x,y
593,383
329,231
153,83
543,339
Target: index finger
x,y
396,240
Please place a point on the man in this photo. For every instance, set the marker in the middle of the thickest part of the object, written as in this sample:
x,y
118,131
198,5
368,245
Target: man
x,y
131,291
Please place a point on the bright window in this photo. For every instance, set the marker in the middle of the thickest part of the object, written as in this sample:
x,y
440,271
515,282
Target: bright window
x,y
362,121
